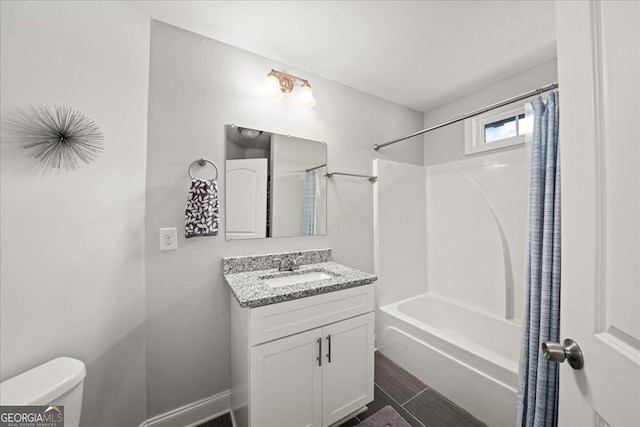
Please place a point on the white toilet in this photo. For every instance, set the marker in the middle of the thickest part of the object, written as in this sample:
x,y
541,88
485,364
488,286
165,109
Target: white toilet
x,y
58,382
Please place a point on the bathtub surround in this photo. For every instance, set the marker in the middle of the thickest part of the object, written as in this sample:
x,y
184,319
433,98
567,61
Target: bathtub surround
x,y
476,212
401,268
538,378
475,208
72,241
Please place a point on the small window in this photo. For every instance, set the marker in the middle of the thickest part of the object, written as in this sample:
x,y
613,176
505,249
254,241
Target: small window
x,y
497,128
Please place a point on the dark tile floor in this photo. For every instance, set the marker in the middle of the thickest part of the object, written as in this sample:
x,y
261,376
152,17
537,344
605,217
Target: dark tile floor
x,y
419,405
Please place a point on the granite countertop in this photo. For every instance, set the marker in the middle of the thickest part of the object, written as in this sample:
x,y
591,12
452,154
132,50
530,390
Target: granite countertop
x,y
250,290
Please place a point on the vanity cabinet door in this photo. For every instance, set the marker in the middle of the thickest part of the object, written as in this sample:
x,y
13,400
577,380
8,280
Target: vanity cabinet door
x,y
347,375
286,382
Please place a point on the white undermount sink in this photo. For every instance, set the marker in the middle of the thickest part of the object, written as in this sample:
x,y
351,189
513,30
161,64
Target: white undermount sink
x,y
296,279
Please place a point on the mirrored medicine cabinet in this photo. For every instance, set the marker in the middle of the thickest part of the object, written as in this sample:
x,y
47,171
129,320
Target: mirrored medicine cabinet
x,y
275,185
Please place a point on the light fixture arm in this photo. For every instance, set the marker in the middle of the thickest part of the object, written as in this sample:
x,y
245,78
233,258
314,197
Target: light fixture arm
x,y
287,80
278,83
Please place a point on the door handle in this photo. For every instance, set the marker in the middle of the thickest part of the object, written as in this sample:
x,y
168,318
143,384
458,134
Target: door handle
x,y
329,345
569,351
319,358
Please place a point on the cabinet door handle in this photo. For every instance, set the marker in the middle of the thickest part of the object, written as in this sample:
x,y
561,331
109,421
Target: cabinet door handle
x,y
319,358
329,343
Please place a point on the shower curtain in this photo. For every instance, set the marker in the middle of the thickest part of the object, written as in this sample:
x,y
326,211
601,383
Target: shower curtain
x,y
538,378
309,207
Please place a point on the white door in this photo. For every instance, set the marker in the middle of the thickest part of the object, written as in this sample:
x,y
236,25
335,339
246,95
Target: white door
x,y
246,198
347,377
598,66
286,382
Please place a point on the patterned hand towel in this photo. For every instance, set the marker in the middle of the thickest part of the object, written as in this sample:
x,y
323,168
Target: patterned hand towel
x,y
202,216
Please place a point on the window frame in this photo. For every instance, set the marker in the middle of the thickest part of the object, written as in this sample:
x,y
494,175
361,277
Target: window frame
x,y
474,131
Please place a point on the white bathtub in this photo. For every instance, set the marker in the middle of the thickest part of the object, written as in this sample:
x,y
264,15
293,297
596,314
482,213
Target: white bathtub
x,y
469,356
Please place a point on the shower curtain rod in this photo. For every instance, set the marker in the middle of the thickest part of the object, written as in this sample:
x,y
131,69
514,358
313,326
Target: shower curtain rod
x,y
316,167
472,114
369,177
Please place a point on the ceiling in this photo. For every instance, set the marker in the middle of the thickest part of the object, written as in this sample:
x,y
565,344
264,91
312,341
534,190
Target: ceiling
x,y
420,54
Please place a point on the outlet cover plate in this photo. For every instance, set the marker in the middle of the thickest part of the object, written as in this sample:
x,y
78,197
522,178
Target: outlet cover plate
x,y
168,239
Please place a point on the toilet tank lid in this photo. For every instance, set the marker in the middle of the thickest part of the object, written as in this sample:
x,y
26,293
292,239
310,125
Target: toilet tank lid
x,y
44,383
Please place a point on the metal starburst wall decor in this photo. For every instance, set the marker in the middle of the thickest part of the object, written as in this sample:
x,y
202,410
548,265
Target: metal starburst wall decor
x,y
57,137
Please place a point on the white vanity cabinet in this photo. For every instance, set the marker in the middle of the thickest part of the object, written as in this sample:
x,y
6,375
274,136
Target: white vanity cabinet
x,y
304,362
347,375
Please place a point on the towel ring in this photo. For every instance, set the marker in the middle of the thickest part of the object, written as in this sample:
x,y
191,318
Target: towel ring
x,y
202,162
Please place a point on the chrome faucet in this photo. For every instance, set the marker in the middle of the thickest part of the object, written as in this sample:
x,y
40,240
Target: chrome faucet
x,y
294,264
283,265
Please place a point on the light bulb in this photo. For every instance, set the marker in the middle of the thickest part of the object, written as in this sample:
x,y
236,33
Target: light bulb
x,y
271,88
305,97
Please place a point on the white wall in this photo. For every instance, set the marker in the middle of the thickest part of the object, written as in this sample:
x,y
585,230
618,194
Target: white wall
x,y
447,144
72,243
197,85
290,157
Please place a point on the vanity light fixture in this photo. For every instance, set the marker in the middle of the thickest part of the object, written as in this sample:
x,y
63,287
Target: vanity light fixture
x,y
277,84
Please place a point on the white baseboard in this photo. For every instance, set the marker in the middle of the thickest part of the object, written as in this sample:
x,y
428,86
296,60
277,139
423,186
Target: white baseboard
x,y
193,414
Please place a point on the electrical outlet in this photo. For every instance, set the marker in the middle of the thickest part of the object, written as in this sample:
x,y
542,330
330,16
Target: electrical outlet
x,y
168,239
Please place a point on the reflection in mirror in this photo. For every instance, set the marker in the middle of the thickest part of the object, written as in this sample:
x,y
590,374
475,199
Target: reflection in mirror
x,y
275,185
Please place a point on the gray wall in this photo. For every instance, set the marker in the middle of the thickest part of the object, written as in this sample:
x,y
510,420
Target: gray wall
x,y
197,85
447,144
72,243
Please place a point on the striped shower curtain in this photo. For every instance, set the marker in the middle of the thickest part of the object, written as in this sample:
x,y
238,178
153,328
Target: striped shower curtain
x,y
538,378
309,208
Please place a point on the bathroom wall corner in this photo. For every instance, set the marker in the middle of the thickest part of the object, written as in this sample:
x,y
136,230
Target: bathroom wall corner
x,y
72,242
